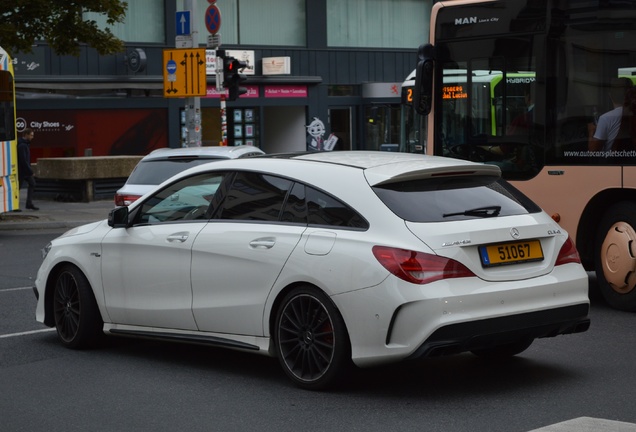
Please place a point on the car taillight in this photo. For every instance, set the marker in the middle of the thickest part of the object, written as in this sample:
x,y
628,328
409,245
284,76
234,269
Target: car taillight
x,y
125,200
568,253
419,267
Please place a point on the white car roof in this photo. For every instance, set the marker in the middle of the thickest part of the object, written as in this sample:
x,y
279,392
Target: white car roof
x,y
379,167
339,172
224,152
389,167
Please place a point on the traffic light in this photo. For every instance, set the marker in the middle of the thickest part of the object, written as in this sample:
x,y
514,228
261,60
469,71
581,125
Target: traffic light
x,y
232,78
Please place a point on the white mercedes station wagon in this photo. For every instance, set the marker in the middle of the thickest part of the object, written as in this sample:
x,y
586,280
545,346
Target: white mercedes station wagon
x,y
323,260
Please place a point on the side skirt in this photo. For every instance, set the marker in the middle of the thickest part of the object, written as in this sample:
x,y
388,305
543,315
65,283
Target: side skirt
x,y
185,338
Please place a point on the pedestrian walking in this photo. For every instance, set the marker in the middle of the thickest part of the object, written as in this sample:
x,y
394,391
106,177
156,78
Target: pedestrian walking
x,y
25,172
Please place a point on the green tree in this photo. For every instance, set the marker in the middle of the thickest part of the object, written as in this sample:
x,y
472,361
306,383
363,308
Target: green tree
x,y
60,23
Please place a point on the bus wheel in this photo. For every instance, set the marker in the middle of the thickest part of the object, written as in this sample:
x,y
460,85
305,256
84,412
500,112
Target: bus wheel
x,y
616,256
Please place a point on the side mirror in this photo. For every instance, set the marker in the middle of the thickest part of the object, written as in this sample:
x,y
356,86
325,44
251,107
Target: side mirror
x,y
423,91
118,217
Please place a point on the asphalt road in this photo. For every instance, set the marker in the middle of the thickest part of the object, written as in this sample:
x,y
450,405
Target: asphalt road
x,y
133,385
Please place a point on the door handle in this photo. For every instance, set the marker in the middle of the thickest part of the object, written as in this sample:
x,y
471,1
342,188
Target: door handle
x,y
263,243
178,237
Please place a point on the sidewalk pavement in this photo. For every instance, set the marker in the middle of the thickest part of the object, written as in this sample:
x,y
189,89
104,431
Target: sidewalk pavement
x,y
55,215
588,424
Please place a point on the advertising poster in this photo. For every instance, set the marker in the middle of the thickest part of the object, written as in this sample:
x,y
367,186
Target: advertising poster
x,y
94,132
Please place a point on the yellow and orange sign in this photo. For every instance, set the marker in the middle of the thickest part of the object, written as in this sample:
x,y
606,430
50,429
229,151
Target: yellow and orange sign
x,y
184,72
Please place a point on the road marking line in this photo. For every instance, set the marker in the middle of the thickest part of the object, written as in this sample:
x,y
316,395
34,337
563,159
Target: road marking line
x,y
16,289
26,333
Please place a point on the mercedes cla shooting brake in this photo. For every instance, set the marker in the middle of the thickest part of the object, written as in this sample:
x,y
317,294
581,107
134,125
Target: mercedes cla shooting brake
x,y
323,260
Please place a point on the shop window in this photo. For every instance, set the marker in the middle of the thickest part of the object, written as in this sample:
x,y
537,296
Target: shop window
x,y
243,127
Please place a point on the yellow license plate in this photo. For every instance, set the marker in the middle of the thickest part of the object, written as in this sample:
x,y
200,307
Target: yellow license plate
x,y
511,253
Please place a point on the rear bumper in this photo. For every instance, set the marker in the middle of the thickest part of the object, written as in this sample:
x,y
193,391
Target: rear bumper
x,y
467,336
394,321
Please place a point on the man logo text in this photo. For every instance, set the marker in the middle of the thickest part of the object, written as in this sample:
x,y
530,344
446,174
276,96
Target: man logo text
x,y
467,20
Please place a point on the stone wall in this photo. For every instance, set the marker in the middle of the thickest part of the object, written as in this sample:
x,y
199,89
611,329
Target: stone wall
x,y
82,178
86,168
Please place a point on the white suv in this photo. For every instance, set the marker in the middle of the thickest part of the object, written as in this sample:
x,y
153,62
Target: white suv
x,y
163,163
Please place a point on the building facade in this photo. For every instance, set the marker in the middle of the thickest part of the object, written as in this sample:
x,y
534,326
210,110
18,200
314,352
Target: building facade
x,y
318,69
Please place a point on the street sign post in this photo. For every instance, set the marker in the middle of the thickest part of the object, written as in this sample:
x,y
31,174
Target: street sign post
x,y
184,72
213,24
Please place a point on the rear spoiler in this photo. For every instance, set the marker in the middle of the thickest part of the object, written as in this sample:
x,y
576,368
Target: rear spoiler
x,y
387,174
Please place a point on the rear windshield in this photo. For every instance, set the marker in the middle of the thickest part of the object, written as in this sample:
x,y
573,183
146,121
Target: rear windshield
x,y
454,198
153,172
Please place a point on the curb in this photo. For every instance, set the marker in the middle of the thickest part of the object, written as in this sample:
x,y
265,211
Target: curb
x,y
56,215
9,225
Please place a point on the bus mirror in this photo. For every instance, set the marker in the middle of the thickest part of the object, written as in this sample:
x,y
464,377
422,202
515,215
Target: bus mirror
x,y
423,90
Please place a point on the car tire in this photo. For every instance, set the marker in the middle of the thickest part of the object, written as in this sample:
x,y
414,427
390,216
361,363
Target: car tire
x,y
311,339
615,256
504,350
77,318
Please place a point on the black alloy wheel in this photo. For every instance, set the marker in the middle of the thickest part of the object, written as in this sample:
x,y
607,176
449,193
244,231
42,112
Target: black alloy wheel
x,y
77,317
311,339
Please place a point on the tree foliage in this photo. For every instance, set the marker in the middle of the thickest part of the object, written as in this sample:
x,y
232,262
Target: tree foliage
x,y
61,23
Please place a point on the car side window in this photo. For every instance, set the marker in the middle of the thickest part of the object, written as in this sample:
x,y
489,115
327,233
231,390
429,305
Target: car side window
x,y
187,199
307,205
323,209
254,196
295,210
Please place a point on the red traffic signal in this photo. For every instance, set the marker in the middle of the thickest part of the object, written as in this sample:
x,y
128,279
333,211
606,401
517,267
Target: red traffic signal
x,y
236,65
232,78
